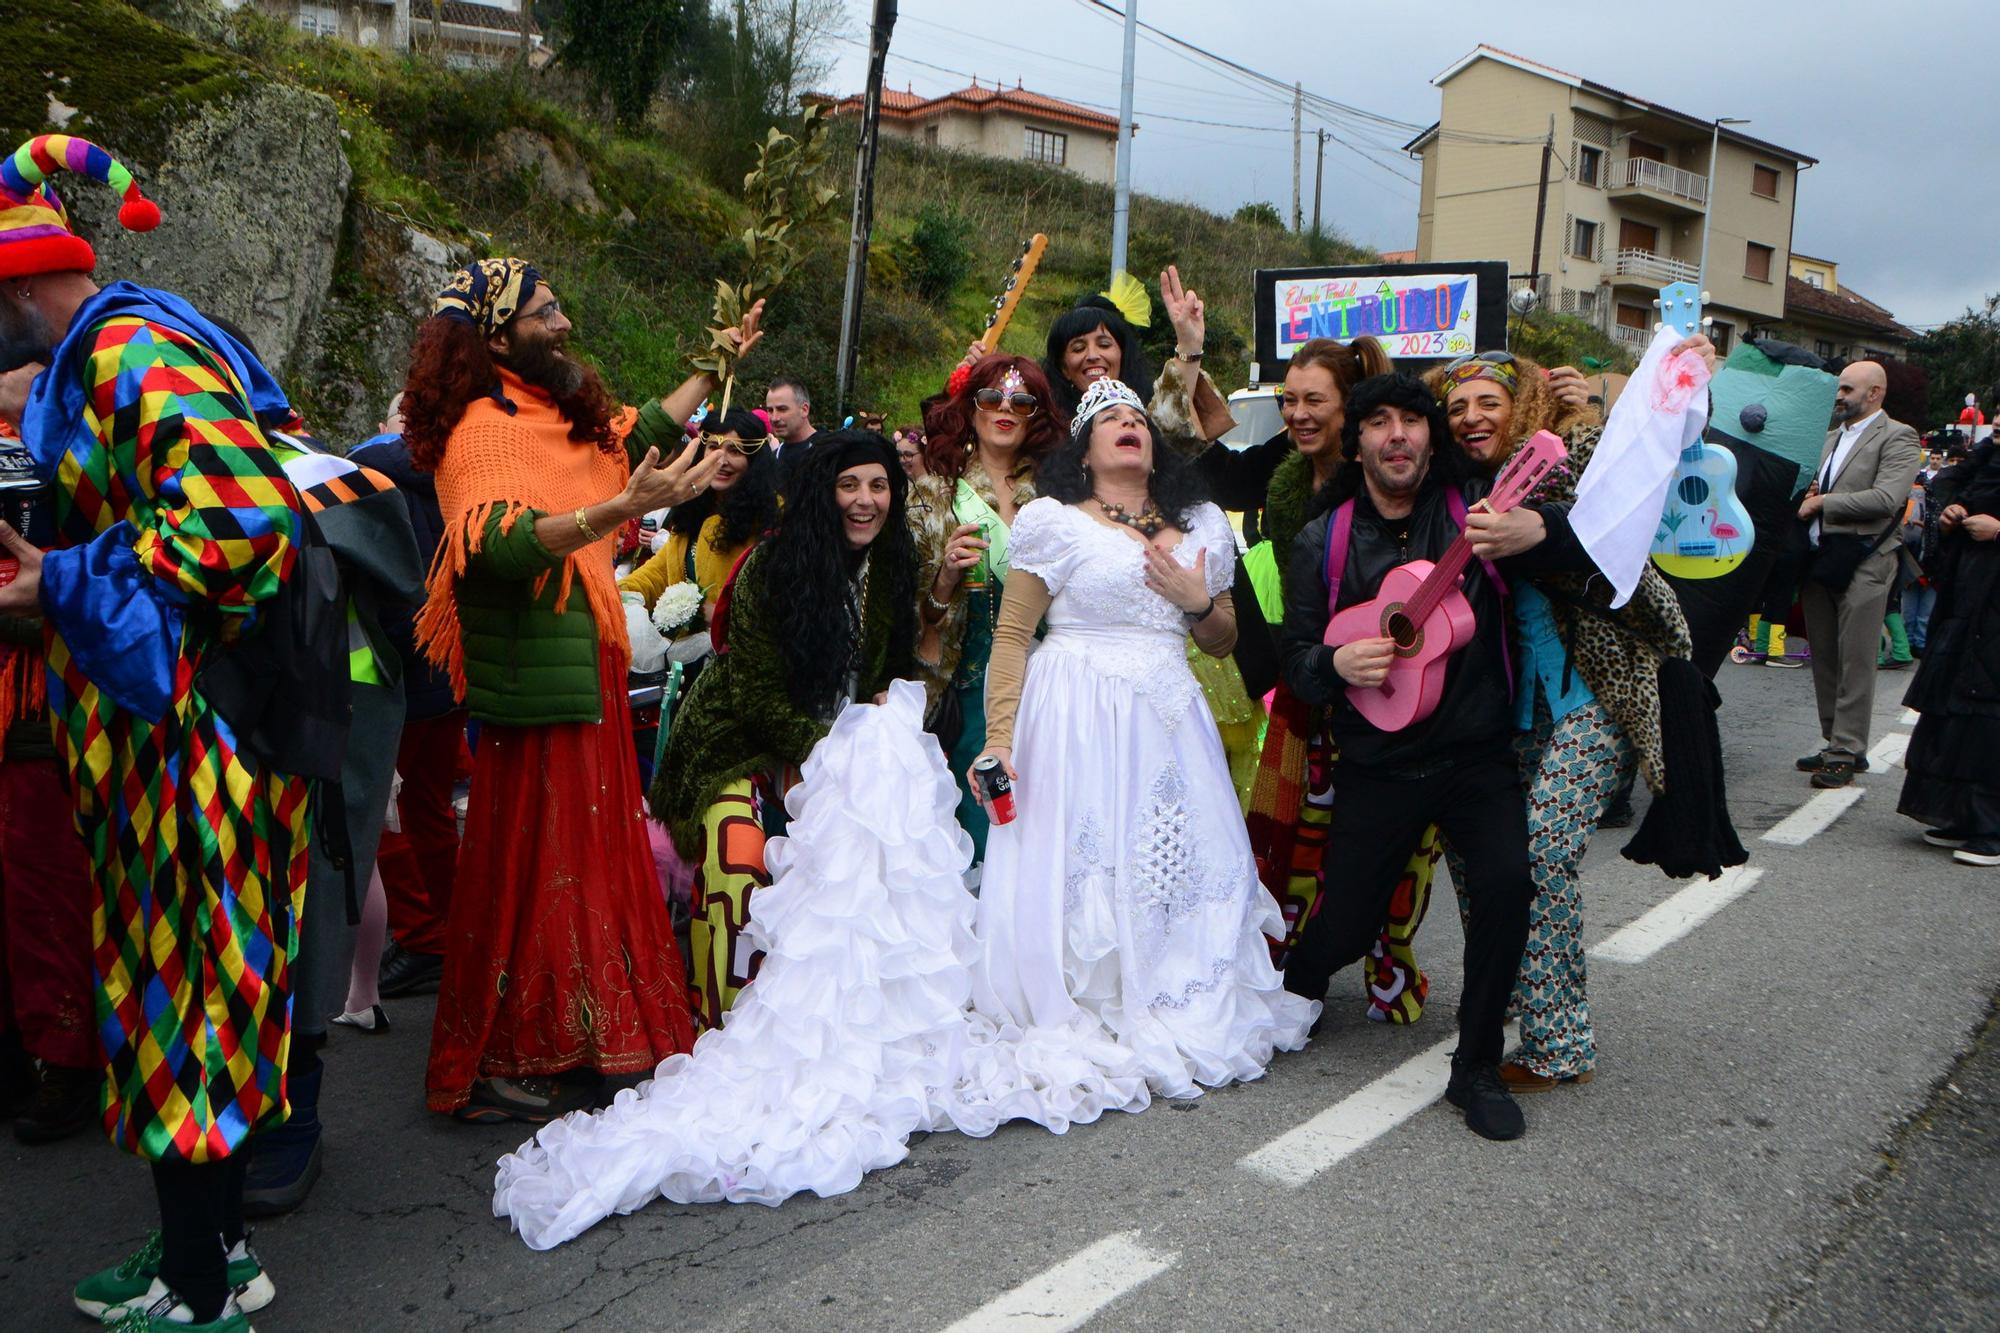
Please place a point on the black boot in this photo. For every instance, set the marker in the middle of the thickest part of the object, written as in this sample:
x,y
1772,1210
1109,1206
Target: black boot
x,y
1490,1110
285,1161
66,1103
17,1077
406,973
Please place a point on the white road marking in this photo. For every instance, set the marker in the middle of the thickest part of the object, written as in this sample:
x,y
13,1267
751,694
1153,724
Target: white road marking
x,y
1909,717
1066,1295
1795,829
1889,751
1670,920
1354,1122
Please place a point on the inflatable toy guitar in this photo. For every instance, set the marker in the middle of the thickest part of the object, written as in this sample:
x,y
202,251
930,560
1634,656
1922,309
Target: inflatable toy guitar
x,y
1705,532
1420,606
1004,305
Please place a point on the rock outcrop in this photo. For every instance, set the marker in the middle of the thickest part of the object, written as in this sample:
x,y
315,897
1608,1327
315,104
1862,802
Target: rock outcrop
x,y
252,190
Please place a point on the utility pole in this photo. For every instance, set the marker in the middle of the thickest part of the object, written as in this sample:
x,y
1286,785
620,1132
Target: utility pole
x,y
1708,198
863,218
1121,205
1319,171
1298,108
1541,210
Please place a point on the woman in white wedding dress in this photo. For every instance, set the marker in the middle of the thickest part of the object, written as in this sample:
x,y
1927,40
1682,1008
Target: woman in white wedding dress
x,y
1124,898
1120,948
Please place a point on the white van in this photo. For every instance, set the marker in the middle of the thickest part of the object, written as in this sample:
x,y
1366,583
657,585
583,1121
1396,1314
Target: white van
x,y
1256,413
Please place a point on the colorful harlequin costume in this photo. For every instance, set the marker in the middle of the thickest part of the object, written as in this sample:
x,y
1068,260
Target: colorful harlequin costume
x,y
174,523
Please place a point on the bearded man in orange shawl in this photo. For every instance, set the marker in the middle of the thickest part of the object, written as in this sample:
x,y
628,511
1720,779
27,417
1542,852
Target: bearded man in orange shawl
x,y
560,972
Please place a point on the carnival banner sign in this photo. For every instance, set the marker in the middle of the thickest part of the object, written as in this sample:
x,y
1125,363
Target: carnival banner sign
x,y
1418,312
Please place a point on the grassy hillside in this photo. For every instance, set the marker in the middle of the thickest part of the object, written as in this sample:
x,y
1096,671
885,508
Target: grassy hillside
x,y
426,145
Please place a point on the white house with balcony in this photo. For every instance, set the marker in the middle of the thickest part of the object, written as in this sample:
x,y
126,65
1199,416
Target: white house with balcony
x,y
1634,190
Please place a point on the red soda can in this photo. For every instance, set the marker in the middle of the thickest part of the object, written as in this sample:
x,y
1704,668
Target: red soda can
x,y
995,787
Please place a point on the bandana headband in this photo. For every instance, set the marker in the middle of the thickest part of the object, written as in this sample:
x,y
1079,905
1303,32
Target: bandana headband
x,y
1473,369
487,293
1103,393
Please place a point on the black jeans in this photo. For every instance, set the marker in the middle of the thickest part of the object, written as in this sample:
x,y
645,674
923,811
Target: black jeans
x,y
1478,804
201,1219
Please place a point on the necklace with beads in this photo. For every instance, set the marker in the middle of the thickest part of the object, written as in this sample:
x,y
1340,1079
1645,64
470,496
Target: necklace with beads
x,y
1147,522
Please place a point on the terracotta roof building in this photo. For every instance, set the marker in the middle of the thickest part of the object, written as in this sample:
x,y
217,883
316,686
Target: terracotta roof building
x,y
1834,321
1001,122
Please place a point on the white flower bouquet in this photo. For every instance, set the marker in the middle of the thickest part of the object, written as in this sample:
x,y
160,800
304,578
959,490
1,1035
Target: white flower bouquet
x,y
676,607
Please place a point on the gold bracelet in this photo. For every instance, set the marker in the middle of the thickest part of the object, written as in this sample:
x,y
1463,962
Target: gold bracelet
x,y
583,526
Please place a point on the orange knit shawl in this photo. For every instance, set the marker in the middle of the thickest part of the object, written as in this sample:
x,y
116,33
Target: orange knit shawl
x,y
517,464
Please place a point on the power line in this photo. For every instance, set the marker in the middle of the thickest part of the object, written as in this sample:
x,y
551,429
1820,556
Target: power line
x,y
1094,106
1260,83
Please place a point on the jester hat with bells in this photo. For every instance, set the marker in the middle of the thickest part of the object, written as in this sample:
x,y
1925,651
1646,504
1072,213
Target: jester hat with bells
x,y
35,233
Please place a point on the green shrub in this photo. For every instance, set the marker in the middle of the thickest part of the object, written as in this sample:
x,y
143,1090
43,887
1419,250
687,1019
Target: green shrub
x,y
941,245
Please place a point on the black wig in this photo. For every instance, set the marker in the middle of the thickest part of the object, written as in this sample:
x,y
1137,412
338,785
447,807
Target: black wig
x,y
748,508
806,570
1175,486
1449,464
1078,320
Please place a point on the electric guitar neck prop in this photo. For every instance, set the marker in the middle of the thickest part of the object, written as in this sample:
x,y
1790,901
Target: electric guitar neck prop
x,y
1420,607
1018,277
1705,532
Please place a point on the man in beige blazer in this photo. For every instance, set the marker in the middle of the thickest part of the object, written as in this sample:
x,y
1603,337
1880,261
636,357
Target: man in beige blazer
x,y
1864,478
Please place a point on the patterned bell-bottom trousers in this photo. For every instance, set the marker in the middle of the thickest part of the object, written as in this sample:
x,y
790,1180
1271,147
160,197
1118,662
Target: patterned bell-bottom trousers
x,y
1570,768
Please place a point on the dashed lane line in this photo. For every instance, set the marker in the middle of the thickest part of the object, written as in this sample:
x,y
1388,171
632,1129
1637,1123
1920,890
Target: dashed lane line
x,y
1812,818
1889,751
1066,1295
1354,1122
1675,917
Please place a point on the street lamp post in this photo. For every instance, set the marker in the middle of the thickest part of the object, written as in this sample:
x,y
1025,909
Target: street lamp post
x,y
1708,196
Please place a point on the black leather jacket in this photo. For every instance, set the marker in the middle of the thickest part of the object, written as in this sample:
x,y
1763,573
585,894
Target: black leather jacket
x,y
1476,711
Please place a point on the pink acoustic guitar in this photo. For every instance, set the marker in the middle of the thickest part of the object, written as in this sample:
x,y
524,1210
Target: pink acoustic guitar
x,y
1420,606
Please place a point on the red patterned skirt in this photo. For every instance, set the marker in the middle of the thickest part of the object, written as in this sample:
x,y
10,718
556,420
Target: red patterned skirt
x,y
559,952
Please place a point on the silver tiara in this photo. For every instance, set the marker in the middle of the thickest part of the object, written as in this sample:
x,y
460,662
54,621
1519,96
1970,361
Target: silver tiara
x,y
1101,394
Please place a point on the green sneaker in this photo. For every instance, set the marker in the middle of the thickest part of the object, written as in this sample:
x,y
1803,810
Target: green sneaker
x,y
168,1315
135,1284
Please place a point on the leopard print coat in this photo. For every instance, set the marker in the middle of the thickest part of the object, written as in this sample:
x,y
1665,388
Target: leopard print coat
x,y
1618,653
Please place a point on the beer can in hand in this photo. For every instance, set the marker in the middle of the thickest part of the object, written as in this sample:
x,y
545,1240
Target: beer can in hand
x,y
995,788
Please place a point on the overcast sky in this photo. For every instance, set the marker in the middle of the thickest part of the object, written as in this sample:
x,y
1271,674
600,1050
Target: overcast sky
x,y
1897,101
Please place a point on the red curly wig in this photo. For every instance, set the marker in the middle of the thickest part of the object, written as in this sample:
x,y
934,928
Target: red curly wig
x,y
451,366
948,437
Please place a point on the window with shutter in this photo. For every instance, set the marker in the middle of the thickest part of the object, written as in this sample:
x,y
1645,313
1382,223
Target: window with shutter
x,y
1757,262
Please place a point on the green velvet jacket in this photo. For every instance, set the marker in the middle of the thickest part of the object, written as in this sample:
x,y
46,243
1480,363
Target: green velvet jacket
x,y
739,719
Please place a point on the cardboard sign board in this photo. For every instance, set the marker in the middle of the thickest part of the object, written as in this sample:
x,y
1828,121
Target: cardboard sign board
x,y
1420,313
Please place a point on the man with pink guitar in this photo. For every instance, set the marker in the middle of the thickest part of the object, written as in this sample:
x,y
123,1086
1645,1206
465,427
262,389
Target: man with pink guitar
x,y
1404,494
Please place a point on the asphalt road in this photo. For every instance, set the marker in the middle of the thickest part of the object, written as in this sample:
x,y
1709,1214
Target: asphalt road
x,y
1793,1127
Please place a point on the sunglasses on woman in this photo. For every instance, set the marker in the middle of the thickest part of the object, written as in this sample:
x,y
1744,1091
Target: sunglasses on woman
x,y
1490,358
992,400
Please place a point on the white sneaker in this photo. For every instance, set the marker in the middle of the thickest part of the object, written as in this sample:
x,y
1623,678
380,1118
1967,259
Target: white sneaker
x,y
1978,852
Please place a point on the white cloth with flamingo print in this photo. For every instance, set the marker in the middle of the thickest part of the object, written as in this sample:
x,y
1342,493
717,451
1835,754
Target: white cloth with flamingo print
x,y
1623,492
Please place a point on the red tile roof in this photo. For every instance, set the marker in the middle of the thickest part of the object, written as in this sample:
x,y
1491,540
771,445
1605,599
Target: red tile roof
x,y
1803,300
982,100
